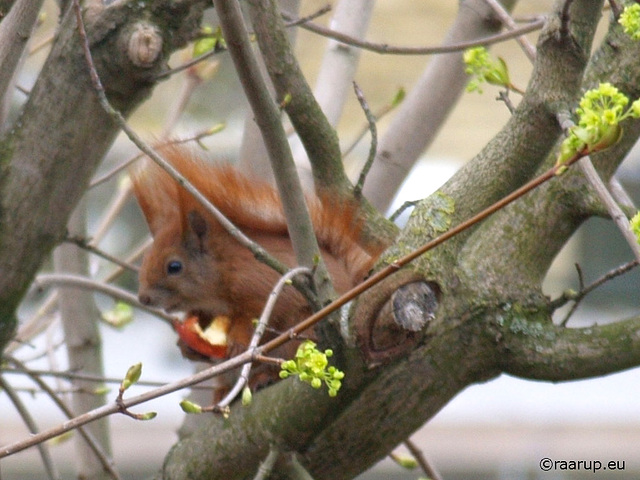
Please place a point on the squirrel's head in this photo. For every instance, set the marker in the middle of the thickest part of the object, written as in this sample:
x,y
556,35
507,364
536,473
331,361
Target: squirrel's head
x,y
178,271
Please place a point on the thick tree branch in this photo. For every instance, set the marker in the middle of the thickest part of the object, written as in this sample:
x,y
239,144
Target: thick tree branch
x,y
44,170
15,31
316,134
530,233
543,351
421,115
268,119
518,150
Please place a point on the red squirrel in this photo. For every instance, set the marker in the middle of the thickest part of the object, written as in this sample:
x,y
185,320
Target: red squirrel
x,y
195,266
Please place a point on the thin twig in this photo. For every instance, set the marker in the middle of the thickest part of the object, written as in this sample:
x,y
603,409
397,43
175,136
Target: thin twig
x,y
126,164
503,96
172,71
384,48
621,196
30,423
583,291
85,244
296,470
408,204
134,256
77,281
308,18
83,376
266,466
381,113
243,378
86,435
117,117
508,22
426,466
371,120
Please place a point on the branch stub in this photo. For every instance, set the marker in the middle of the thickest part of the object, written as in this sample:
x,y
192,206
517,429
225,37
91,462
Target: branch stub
x,y
145,45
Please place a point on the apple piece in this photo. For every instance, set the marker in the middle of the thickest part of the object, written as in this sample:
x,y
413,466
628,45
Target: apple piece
x,y
210,342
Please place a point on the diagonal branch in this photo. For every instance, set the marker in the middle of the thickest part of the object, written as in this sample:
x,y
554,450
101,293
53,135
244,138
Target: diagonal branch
x,y
268,119
15,31
28,420
616,213
317,135
426,107
86,435
506,19
555,83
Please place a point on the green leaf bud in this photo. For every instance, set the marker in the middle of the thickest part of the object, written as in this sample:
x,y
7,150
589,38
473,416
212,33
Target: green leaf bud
x,y
247,396
189,407
147,416
132,376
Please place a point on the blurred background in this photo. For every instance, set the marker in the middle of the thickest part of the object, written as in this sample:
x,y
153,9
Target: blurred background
x,y
497,430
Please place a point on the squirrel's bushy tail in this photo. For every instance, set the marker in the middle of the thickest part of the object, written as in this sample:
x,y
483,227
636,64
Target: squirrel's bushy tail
x,y
251,205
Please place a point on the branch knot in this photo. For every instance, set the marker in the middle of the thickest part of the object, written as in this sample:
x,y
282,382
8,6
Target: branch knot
x,y
144,45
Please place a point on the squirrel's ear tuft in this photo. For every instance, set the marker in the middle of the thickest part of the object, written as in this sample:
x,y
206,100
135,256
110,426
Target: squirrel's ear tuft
x,y
196,231
197,223
156,193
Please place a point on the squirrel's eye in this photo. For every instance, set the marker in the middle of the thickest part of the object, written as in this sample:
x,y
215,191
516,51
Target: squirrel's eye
x,y
174,267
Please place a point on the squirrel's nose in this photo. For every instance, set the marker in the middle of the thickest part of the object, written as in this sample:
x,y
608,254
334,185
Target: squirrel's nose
x,y
144,299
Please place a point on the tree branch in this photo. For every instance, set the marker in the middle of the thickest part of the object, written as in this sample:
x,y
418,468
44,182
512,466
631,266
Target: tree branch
x,y
615,212
45,170
95,447
340,61
543,351
459,46
267,116
506,19
80,317
76,281
555,84
29,422
243,378
316,134
424,110
114,407
15,31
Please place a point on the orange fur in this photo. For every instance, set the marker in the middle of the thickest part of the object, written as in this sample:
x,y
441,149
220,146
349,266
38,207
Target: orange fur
x,y
218,276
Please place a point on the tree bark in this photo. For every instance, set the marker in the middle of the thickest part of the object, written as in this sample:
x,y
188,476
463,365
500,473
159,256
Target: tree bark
x,y
491,317
80,317
428,105
63,132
